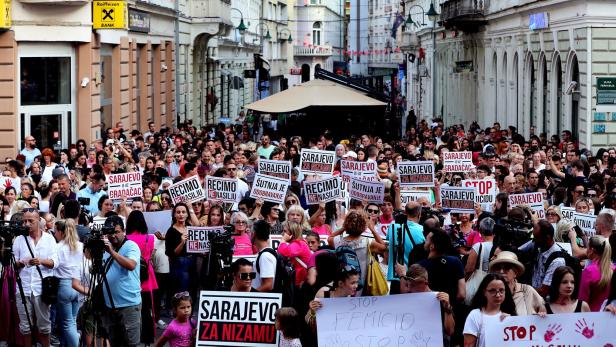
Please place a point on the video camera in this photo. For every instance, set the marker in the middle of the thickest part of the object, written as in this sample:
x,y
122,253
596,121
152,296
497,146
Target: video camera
x,y
11,230
95,243
222,245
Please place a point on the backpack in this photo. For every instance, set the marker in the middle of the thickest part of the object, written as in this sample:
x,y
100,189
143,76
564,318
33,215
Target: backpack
x,y
570,261
347,259
284,279
418,252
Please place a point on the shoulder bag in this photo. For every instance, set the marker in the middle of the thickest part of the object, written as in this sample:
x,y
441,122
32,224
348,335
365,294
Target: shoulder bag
x,y
376,284
475,279
49,284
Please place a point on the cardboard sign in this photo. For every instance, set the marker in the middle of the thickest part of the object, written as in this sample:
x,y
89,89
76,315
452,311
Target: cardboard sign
x,y
380,228
381,321
485,190
458,161
238,319
6,182
567,212
570,329
187,190
275,168
458,200
407,196
198,241
125,185
416,173
366,190
269,188
315,162
158,221
324,190
364,169
532,200
586,222
222,189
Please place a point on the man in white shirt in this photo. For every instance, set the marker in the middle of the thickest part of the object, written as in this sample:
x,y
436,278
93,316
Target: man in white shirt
x,y
265,263
37,250
242,187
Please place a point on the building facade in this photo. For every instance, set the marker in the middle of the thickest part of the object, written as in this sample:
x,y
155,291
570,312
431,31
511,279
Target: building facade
x,y
520,63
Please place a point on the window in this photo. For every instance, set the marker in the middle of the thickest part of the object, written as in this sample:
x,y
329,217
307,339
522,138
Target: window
x,y
316,33
45,80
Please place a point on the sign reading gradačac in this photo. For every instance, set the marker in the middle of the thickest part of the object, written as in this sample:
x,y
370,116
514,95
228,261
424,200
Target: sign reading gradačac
x,y
109,14
125,185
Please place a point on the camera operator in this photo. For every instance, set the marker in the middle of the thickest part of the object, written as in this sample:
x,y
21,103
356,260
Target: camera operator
x,y
123,318
93,191
44,256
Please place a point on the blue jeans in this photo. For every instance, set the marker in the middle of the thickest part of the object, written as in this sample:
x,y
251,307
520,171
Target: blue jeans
x,y
66,312
180,272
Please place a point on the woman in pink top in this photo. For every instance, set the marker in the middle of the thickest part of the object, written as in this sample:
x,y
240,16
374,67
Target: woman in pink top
x,y
317,221
137,231
295,248
595,281
243,244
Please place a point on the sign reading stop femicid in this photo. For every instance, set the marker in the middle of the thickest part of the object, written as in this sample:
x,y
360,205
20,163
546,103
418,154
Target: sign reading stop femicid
x,y
110,14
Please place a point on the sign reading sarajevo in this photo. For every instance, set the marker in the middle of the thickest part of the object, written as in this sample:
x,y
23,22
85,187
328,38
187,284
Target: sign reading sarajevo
x,y
458,161
532,200
269,188
221,189
125,185
275,168
366,190
110,14
324,190
364,169
416,173
315,162
458,200
238,319
187,190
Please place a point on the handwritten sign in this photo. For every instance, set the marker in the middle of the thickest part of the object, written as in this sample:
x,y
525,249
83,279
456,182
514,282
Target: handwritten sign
x,y
315,162
187,190
222,189
269,188
458,161
324,190
570,329
124,185
458,200
364,169
275,168
586,222
380,321
366,190
238,319
416,173
532,200
485,190
407,196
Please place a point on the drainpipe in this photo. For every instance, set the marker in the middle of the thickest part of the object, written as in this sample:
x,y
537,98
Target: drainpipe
x,y
433,71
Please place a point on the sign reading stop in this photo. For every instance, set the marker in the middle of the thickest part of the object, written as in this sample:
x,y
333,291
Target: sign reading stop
x,y
485,190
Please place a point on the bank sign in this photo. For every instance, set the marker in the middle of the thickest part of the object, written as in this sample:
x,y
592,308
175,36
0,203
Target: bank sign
x,y
109,14
5,14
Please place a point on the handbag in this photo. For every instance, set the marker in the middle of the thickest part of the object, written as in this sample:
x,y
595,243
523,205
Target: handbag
x,y
376,284
473,282
49,284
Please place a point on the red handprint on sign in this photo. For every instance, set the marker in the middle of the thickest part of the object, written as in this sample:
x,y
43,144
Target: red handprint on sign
x,y
553,330
7,183
583,328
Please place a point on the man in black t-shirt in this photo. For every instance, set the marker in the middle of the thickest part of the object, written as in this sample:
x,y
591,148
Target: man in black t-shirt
x,y
445,273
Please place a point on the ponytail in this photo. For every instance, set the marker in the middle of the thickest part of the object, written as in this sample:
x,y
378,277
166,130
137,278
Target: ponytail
x,y
601,245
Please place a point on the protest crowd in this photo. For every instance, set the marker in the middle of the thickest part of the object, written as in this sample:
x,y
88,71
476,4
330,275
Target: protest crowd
x,y
240,234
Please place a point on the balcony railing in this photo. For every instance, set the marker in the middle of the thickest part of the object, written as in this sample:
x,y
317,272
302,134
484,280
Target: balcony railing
x,y
307,51
466,15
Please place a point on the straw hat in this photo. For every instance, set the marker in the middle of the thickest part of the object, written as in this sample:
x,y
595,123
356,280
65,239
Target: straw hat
x,y
506,257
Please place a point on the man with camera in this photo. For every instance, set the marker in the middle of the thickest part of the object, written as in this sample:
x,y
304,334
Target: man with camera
x,y
88,197
35,259
121,263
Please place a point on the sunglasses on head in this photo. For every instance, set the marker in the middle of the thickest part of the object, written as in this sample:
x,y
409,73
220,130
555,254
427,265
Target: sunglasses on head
x,y
181,295
248,275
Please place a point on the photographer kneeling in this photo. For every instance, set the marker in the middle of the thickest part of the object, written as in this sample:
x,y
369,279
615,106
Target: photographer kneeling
x,y
121,262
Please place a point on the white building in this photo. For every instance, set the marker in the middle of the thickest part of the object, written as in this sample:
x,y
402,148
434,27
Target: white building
x,y
519,62
358,36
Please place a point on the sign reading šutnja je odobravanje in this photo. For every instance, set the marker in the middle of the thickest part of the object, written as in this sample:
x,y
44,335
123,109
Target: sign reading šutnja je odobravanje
x,y
269,188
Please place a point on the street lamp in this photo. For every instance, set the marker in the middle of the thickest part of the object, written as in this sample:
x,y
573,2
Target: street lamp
x,y
432,14
289,39
242,27
267,34
409,19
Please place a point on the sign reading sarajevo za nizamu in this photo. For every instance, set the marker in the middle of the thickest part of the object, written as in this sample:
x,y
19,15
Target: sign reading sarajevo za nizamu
x,y
315,162
416,173
187,190
238,319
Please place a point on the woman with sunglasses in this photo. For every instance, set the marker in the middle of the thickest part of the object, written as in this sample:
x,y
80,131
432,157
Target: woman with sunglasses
x,y
374,212
492,303
243,244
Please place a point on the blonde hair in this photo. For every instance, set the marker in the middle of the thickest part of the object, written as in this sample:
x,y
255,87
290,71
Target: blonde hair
x,y
67,226
602,247
295,229
295,208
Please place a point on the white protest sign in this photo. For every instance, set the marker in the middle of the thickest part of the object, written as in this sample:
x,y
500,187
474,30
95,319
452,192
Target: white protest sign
x,y
250,258
269,188
198,239
381,321
570,329
364,169
485,190
275,168
187,190
344,191
158,221
274,241
6,182
415,173
324,190
366,190
586,222
532,200
315,162
237,319
567,212
458,199
407,196
221,189
458,161
124,185
380,228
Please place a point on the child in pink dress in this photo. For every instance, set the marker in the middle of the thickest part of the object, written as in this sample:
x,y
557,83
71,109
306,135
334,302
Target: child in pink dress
x,y
181,331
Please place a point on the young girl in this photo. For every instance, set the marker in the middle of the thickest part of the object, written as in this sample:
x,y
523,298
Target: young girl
x,y
181,331
287,322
